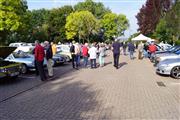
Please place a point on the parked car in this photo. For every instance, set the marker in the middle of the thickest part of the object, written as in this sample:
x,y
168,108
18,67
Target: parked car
x,y
58,59
165,56
67,58
170,50
8,69
22,46
169,67
64,50
27,60
164,46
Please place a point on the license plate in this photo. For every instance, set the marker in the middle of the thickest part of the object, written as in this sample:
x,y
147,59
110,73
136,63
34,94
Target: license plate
x,y
14,74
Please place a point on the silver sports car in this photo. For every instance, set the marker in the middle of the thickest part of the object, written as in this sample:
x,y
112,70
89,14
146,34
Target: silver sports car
x,y
169,67
165,56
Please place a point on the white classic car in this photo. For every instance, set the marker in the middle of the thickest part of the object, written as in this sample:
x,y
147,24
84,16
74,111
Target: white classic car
x,y
22,46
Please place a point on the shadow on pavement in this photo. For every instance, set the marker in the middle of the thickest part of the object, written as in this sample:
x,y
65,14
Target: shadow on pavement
x,y
122,64
108,63
75,100
163,75
9,81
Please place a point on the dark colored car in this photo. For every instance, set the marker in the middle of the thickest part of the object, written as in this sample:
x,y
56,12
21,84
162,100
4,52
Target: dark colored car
x,y
8,69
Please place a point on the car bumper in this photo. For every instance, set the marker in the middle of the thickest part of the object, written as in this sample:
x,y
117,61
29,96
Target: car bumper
x,y
9,74
163,70
60,61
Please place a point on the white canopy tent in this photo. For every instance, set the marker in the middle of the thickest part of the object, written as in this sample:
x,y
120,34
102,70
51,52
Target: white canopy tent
x,y
141,37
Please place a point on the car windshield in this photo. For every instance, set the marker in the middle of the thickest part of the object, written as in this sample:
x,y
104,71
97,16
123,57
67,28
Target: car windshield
x,y
64,48
174,48
177,52
21,54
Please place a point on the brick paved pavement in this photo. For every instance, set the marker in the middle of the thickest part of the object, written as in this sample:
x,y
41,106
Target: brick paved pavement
x,y
130,92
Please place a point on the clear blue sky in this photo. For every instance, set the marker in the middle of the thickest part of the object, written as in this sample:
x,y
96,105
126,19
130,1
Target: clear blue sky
x,y
127,7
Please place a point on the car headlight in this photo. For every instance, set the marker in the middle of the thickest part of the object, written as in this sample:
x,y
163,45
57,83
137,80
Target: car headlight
x,y
158,59
3,70
164,65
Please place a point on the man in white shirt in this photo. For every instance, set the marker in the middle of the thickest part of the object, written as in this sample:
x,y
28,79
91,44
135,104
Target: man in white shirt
x,y
77,54
92,55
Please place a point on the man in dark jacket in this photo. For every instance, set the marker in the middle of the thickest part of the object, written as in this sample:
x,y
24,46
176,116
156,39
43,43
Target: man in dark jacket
x,y
39,58
116,53
49,55
131,49
72,50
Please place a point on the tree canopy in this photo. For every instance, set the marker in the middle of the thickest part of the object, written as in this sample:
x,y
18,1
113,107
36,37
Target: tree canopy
x,y
57,21
150,14
114,25
86,21
81,24
168,28
11,12
96,8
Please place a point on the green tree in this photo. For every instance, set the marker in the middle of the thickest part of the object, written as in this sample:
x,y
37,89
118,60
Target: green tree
x,y
96,8
172,21
39,17
162,32
114,25
57,21
81,24
11,12
168,28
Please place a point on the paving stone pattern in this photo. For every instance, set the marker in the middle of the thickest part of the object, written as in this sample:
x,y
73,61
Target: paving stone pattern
x,y
131,93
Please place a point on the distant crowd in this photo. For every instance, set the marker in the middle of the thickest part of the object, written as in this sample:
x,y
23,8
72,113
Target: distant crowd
x,y
90,54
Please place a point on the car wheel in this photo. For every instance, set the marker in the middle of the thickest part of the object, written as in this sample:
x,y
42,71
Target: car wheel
x,y
175,72
24,69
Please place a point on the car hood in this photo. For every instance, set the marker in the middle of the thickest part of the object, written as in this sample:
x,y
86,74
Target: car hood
x,y
166,54
171,61
173,56
6,51
28,59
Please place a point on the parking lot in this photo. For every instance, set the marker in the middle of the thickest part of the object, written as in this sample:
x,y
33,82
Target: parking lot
x,y
134,91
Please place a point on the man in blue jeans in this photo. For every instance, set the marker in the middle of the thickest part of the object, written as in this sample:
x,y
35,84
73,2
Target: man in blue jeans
x,y
116,53
131,49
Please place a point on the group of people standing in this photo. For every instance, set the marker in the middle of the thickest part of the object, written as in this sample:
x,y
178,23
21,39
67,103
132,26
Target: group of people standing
x,y
87,52
42,53
94,51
